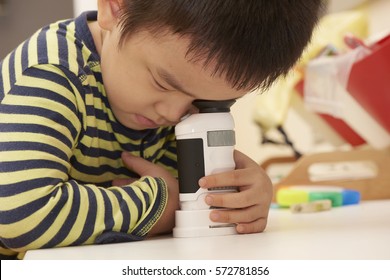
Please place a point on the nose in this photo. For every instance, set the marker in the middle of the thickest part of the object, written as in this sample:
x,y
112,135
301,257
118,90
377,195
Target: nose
x,y
173,109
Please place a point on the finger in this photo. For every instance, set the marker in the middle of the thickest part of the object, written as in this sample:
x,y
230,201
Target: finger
x,y
254,227
249,220
122,182
244,215
137,164
234,178
244,174
241,160
234,199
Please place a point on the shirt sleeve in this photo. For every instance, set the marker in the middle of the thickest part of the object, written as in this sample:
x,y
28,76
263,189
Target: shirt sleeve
x,y
40,206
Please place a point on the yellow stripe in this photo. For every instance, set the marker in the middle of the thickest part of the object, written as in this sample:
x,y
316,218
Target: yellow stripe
x,y
100,124
99,104
72,50
151,150
152,191
116,211
96,161
170,155
44,103
5,75
34,119
18,200
42,83
10,156
93,179
100,211
94,142
6,252
81,218
33,137
18,64
32,174
53,229
29,223
52,41
33,50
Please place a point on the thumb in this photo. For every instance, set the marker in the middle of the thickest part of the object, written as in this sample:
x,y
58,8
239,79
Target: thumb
x,y
137,164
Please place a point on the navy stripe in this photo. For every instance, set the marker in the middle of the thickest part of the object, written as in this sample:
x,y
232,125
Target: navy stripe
x,y
65,23
91,110
136,200
108,218
98,152
168,162
89,226
35,128
82,30
69,221
43,93
156,205
24,57
19,165
43,226
26,145
97,93
172,147
42,46
63,45
145,194
80,59
98,113
1,83
75,81
135,135
21,187
50,76
101,134
124,210
22,212
98,76
46,113
100,170
11,68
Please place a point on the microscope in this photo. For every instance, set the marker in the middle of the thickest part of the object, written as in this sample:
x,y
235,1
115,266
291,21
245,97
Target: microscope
x,y
205,145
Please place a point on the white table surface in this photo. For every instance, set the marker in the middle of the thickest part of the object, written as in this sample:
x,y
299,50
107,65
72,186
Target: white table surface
x,y
350,232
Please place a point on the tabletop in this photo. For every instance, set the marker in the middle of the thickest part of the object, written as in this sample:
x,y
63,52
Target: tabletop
x,y
351,232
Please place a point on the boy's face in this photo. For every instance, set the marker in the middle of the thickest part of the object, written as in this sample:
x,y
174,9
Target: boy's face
x,y
150,83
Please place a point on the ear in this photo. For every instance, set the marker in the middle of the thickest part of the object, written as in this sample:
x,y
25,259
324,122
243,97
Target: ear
x,y
108,13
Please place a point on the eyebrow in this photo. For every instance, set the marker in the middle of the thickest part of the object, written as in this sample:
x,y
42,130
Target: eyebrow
x,y
172,81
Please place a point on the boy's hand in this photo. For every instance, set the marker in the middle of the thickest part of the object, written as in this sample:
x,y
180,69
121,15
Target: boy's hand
x,y
145,168
251,204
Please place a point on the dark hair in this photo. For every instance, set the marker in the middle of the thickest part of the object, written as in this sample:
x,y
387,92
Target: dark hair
x,y
253,42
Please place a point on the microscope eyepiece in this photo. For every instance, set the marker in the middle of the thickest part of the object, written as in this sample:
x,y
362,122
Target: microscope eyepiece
x,y
213,106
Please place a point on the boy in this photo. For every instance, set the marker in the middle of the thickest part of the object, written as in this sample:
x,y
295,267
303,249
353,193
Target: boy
x,y
88,108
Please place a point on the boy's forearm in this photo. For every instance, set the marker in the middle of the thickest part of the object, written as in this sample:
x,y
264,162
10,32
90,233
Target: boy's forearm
x,y
73,214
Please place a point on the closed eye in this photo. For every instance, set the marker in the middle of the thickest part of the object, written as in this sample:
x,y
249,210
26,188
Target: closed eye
x,y
159,86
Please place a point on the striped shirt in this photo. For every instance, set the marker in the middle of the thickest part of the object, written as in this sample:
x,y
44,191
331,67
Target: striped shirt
x,y
60,149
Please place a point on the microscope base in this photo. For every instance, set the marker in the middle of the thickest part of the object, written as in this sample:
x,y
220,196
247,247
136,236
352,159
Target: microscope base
x,y
196,223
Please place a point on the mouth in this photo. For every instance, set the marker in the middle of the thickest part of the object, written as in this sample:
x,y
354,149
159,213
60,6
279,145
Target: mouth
x,y
146,122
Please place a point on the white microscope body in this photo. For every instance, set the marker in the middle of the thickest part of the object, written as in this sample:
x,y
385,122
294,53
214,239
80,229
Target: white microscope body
x,y
205,145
